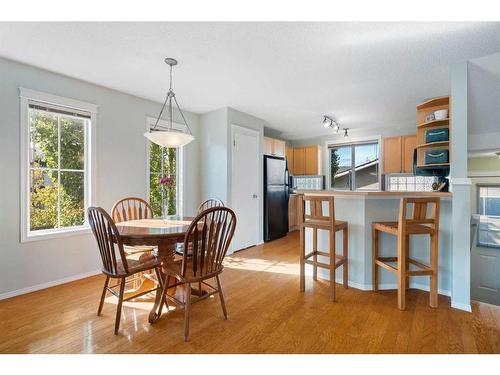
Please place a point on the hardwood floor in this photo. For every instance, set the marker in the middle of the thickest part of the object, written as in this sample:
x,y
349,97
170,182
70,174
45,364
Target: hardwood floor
x,y
267,314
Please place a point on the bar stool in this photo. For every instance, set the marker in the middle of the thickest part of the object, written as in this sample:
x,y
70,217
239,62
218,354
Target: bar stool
x,y
317,220
419,223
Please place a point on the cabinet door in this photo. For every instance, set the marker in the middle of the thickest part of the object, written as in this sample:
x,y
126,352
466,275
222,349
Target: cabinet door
x,y
409,144
289,158
268,146
292,213
299,160
312,153
392,155
279,148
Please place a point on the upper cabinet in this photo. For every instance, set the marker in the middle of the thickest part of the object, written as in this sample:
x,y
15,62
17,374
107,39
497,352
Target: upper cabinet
x,y
398,154
304,160
274,147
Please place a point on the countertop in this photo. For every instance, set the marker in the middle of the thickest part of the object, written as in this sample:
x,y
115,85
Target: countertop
x,y
374,193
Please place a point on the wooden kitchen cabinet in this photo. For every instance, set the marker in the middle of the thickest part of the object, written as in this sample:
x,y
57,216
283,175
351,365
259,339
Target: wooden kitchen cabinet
x,y
398,154
409,144
274,147
292,213
312,160
299,161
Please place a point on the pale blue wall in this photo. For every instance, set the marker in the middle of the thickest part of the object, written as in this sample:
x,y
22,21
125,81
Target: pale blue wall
x,y
121,171
460,184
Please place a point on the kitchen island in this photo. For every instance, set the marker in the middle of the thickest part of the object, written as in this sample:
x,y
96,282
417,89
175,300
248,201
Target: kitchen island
x,y
360,209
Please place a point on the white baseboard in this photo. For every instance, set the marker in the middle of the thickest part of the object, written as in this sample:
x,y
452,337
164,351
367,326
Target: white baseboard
x,y
414,285
49,284
461,306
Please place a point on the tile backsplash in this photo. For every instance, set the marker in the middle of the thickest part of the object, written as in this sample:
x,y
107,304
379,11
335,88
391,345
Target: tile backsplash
x,y
408,182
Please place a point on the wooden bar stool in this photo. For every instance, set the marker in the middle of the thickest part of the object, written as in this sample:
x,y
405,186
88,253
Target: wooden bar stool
x,y
419,223
317,220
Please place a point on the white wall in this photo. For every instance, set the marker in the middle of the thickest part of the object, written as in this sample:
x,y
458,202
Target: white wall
x,y
214,148
216,163
120,172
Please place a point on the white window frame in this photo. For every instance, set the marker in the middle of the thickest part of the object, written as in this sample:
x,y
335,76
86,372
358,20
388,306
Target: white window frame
x,y
351,140
180,167
478,209
27,95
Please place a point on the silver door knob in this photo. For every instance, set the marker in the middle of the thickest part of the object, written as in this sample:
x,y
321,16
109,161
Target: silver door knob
x,y
254,196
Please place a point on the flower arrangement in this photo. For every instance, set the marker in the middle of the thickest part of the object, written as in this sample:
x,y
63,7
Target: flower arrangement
x,y
167,185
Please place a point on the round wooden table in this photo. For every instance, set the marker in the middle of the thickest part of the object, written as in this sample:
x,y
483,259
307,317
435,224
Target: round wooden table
x,y
163,233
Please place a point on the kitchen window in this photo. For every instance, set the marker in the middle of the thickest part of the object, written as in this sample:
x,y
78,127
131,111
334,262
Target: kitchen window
x,y
354,166
488,208
163,176
56,160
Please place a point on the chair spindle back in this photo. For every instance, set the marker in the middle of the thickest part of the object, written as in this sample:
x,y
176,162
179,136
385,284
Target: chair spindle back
x,y
209,203
131,208
106,234
210,235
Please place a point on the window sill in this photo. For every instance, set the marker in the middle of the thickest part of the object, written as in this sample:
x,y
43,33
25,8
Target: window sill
x,y
54,234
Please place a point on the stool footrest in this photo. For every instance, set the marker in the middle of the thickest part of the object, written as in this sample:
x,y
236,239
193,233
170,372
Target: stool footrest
x,y
388,267
325,265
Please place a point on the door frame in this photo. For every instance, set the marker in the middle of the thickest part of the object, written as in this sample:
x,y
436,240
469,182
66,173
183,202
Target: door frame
x,y
235,129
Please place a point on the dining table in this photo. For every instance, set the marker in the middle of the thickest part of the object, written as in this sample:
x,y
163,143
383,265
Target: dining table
x,y
163,234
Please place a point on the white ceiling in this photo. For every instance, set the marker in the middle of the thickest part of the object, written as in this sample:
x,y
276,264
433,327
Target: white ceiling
x,y
289,74
484,95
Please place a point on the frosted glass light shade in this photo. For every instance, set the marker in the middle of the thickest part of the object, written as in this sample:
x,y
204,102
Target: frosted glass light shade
x,y
169,138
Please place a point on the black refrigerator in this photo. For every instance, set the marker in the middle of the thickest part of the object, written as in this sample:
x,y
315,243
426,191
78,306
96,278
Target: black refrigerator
x,y
275,197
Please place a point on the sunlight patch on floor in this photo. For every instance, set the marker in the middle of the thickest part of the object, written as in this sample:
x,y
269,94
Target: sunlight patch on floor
x,y
261,265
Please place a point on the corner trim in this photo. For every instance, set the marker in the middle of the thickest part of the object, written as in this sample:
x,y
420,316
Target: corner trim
x,y
461,306
461,181
49,284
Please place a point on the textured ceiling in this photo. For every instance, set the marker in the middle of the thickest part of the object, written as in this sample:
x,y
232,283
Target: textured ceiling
x,y
289,74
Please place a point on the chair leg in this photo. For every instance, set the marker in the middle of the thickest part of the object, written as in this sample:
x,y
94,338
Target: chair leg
x,y
315,257
434,277
345,266
187,308
160,286
103,295
302,264
407,257
221,295
332,264
375,245
119,307
401,272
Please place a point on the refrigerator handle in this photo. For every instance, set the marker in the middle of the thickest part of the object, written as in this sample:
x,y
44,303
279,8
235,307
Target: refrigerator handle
x,y
287,182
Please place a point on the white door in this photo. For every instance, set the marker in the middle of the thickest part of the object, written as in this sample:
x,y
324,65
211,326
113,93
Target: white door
x,y
245,187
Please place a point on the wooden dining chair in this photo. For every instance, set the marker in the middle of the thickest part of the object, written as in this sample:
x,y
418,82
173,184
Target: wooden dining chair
x,y
209,203
133,208
115,264
210,233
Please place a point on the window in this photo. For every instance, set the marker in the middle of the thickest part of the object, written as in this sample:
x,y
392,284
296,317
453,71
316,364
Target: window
x,y
354,166
56,164
488,208
163,177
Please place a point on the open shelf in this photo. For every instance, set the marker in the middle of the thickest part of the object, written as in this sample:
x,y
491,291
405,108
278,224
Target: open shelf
x,y
433,123
434,144
434,102
436,165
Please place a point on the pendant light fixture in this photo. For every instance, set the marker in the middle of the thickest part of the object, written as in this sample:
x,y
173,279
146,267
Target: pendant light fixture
x,y
170,137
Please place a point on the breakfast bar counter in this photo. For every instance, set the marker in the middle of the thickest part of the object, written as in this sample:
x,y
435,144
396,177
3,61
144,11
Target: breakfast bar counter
x,y
360,209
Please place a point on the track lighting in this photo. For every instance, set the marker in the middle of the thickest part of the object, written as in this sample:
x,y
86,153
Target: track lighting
x,y
327,122
345,133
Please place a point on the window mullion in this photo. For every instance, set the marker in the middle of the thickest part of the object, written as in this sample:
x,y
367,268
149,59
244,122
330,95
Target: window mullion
x,y
59,171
